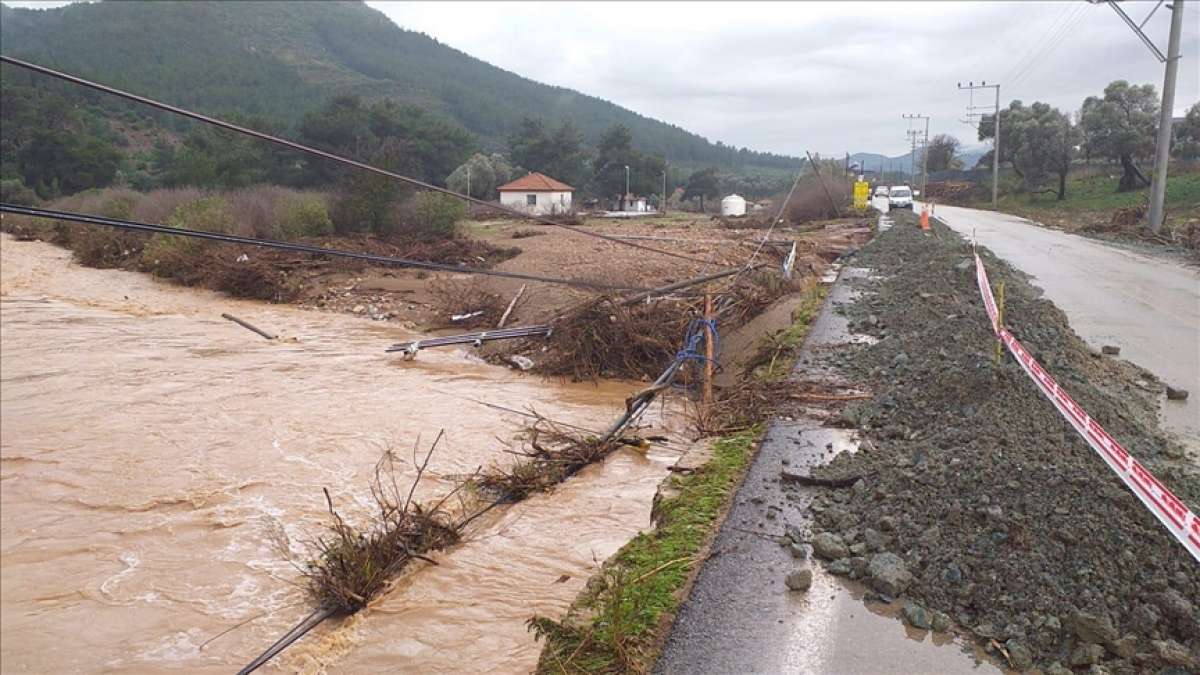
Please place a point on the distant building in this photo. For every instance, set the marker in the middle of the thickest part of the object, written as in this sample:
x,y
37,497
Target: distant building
x,y
537,194
733,205
635,204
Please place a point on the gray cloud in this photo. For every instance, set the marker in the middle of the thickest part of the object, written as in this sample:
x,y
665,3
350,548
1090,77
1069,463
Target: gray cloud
x,y
822,76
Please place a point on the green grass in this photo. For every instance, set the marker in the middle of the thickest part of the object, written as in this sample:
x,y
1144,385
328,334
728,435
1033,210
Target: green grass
x,y
614,625
1098,192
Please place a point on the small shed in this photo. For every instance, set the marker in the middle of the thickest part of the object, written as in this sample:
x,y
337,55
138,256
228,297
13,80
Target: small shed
x,y
733,205
537,194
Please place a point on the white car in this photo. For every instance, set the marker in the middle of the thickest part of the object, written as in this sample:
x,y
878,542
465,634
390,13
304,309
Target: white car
x,y
900,197
881,191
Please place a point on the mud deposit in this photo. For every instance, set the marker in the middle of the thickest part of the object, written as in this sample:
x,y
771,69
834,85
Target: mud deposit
x,y
980,505
160,465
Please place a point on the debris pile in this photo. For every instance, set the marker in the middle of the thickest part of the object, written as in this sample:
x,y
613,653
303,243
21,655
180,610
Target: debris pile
x,y
351,565
553,454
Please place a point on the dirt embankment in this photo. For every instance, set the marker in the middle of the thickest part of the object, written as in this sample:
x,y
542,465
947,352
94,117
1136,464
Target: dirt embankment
x,y
979,504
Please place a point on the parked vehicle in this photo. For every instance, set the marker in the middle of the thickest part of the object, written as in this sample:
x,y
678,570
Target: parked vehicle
x,y
881,191
900,197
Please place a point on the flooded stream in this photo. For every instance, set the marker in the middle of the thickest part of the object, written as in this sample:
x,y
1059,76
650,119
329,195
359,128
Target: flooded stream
x,y
157,461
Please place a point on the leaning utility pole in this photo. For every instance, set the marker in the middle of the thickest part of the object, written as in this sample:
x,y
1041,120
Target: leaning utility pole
x,y
1162,148
925,146
971,86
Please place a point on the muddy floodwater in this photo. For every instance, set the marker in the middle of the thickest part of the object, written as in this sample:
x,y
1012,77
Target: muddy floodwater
x,y
158,464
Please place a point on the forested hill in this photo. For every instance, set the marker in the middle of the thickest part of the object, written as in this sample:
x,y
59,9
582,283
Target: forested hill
x,y
280,60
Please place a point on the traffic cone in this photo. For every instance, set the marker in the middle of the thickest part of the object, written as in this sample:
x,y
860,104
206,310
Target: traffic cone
x,y
924,216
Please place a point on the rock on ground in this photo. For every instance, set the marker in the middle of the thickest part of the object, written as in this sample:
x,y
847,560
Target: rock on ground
x,y
800,580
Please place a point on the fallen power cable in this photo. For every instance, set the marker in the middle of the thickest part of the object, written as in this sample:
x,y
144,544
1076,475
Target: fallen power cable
x,y
542,469
299,248
327,155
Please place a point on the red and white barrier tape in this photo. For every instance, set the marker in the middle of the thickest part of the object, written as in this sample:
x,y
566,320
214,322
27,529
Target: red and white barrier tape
x,y
1165,506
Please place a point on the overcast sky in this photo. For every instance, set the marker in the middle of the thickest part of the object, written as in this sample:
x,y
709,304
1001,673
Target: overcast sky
x,y
829,77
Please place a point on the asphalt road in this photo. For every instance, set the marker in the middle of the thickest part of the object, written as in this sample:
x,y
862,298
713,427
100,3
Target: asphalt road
x,y
1147,305
739,619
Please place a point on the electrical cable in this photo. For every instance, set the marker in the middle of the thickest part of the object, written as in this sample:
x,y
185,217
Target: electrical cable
x,y
1064,10
299,248
1049,45
327,155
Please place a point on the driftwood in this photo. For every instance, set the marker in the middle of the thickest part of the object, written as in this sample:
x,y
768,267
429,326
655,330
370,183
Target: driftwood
x,y
248,326
504,318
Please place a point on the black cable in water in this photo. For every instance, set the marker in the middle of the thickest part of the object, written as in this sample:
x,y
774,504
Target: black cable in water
x,y
299,248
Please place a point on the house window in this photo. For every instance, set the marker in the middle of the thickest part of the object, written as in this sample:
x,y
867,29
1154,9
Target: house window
x,y
531,200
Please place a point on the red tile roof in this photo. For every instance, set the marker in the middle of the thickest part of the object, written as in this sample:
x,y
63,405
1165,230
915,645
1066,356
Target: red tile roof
x,y
536,182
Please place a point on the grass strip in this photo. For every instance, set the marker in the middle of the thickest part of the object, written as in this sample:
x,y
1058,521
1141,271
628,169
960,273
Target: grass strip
x,y
615,624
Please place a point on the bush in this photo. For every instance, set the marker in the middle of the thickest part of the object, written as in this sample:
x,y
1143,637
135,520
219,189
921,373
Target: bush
x,y
210,214
156,207
305,216
15,192
184,258
435,215
102,246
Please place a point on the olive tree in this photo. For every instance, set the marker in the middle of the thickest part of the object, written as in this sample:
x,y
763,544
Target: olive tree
x,y
1120,126
1038,141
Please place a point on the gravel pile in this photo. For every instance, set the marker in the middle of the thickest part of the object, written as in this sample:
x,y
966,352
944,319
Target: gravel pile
x,y
979,505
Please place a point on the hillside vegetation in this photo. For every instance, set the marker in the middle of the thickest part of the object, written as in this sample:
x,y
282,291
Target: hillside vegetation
x,y
281,60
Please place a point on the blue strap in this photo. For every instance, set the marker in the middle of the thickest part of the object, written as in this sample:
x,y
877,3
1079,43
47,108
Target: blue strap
x,y
698,331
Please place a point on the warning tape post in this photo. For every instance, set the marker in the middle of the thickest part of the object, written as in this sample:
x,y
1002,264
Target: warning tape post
x,y
1169,509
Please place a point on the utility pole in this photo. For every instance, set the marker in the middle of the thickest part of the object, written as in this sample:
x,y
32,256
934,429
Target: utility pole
x,y
664,197
1162,148
925,146
971,86
626,195
468,180
912,155
1162,145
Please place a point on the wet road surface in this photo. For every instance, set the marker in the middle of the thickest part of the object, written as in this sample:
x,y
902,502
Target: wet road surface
x,y
740,618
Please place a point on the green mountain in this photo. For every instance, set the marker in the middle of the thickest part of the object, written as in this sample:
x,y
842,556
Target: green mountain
x,y
279,60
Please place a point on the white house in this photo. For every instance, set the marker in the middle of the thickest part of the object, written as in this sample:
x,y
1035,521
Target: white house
x,y
636,204
537,194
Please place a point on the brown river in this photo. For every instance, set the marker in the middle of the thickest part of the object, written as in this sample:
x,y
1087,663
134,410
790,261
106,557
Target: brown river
x,y
158,466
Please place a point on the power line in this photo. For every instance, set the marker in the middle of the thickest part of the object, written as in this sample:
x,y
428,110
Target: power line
x,y
326,155
1064,10
298,248
1052,44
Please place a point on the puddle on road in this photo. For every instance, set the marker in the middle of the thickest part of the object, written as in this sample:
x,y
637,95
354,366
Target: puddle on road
x,y
831,629
158,462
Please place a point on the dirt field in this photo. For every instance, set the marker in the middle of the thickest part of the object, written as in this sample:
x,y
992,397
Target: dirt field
x,y
409,297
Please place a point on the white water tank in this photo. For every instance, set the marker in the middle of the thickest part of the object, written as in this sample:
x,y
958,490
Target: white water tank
x,y
733,205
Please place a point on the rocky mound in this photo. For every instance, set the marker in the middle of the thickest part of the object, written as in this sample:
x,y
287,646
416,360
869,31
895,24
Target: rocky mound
x,y
979,503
